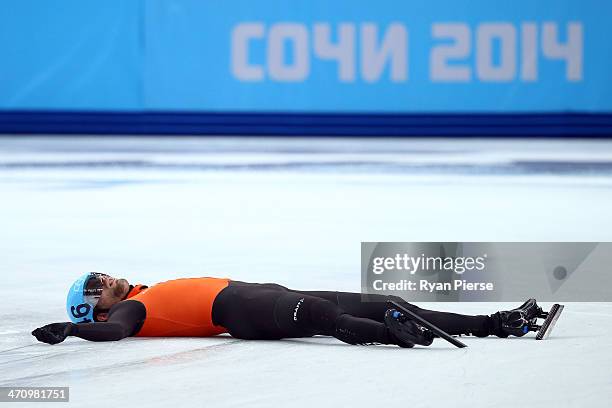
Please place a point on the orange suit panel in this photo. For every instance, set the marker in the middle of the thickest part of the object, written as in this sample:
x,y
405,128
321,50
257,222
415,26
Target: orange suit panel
x,y
181,307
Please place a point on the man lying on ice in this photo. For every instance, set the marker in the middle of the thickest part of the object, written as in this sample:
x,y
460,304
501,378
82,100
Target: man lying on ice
x,y
103,308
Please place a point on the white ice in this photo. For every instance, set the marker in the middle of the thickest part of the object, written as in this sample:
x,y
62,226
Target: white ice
x,y
292,211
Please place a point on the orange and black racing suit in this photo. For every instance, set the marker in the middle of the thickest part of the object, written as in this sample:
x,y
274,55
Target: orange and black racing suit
x,y
202,307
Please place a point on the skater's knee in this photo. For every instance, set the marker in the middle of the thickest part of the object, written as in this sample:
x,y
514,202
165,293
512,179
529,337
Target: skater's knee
x,y
295,312
324,314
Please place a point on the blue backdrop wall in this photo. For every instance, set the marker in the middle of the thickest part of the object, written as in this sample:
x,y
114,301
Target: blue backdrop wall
x,y
397,67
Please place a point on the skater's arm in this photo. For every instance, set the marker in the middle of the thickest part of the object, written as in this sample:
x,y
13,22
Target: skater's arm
x,y
125,319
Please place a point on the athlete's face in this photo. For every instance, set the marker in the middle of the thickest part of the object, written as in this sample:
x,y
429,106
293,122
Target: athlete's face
x,y
114,290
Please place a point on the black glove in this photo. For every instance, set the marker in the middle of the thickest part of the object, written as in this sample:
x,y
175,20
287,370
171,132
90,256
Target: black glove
x,y
53,333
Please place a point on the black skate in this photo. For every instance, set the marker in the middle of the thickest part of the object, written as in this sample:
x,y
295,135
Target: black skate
x,y
406,332
520,321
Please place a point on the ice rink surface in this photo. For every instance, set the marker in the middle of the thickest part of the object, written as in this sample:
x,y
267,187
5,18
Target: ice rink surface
x,y
291,211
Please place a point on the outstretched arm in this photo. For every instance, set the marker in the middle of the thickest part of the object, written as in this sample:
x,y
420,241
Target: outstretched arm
x,y
125,319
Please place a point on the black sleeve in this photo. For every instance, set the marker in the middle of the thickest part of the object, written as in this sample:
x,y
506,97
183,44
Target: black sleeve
x,y
124,320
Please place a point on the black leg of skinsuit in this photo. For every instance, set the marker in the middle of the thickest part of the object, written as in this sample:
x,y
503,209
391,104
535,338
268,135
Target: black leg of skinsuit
x,y
376,306
270,311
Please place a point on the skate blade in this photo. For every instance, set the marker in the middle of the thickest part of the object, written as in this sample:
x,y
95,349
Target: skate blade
x,y
549,323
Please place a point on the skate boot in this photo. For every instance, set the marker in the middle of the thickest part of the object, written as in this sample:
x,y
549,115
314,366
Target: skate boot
x,y
519,321
406,332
